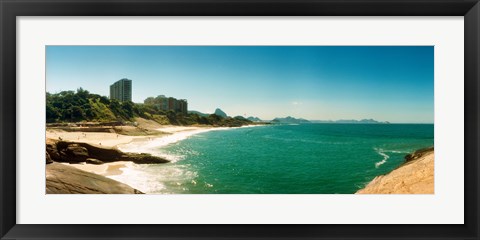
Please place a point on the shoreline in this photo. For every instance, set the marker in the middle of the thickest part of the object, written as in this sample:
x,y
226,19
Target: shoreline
x,y
163,136
174,135
115,140
88,172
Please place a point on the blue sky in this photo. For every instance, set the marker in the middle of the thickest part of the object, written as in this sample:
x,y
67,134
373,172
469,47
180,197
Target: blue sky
x,y
393,84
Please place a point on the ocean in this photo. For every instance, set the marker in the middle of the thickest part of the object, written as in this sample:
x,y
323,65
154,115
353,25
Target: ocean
x,y
276,159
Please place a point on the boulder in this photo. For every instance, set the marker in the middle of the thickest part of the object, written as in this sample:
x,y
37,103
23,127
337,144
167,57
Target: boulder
x,y
417,154
93,161
74,153
143,158
52,150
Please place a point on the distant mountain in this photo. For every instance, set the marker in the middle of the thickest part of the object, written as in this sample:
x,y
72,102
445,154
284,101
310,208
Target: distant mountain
x,y
254,119
220,113
363,121
199,113
290,120
322,121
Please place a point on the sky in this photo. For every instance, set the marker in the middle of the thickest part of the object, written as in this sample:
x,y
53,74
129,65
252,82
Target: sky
x,y
386,83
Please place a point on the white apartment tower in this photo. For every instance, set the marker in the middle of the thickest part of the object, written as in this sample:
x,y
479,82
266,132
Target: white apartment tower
x,y
121,90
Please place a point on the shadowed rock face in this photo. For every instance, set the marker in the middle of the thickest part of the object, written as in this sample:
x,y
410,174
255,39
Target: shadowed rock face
x,y
63,179
48,158
94,161
418,154
73,152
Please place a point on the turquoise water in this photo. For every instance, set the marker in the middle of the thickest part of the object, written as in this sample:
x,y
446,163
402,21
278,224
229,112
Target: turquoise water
x,y
305,159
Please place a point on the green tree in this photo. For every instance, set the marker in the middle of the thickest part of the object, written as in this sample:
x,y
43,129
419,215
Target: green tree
x,y
52,113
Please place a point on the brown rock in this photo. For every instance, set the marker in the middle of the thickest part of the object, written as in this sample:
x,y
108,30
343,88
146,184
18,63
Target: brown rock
x,y
143,158
93,161
48,158
74,152
416,176
63,179
51,147
418,154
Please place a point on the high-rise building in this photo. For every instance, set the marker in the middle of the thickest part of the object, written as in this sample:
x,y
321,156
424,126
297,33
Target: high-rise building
x,y
183,106
121,90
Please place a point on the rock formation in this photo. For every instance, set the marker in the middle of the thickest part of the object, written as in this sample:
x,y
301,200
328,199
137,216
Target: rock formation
x,y
64,179
76,152
415,176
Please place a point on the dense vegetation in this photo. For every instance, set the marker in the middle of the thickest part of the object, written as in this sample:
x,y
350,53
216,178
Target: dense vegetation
x,y
80,106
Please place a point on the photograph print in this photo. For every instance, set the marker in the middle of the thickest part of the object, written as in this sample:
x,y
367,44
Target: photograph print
x,y
239,120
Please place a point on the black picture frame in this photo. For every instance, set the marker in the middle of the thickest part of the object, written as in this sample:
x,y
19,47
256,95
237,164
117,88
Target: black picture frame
x,y
10,9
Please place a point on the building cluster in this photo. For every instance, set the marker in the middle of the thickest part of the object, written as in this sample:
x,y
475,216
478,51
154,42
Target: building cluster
x,y
168,103
121,90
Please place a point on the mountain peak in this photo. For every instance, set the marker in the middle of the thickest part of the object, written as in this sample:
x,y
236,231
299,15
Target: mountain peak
x,y
220,113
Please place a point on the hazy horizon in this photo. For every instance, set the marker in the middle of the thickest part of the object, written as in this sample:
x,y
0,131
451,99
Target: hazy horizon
x,y
394,84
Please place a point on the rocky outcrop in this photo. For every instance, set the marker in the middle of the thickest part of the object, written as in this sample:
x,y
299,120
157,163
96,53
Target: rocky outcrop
x,y
94,161
63,179
418,154
51,147
77,152
74,153
415,176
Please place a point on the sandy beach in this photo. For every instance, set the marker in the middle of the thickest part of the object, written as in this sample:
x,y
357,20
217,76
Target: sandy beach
x,y
106,169
109,139
94,138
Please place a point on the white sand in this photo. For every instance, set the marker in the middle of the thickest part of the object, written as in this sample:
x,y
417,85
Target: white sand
x,y
113,139
151,144
106,169
94,138
176,129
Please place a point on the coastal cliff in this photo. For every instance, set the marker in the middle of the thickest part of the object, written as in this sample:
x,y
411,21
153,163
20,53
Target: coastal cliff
x,y
415,176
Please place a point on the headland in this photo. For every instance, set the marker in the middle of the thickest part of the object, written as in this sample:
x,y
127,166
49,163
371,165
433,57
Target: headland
x,y
415,176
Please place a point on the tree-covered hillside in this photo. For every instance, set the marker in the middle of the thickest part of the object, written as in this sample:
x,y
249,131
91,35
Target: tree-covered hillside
x,y
80,106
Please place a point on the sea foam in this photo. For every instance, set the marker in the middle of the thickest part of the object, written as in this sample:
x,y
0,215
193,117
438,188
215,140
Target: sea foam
x,y
381,153
153,145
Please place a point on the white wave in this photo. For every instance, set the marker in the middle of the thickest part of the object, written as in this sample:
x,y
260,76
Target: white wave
x,y
155,179
381,152
151,145
167,178
395,151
